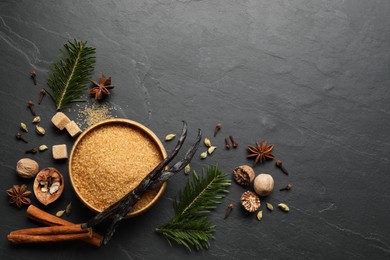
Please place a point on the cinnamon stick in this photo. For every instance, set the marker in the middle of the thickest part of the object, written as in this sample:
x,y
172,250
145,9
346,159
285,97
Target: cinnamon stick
x,y
17,239
45,218
53,230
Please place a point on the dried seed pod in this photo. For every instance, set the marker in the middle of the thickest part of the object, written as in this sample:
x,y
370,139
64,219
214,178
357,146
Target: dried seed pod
x,y
269,206
169,137
40,130
68,209
187,169
48,185
36,119
203,155
42,148
211,149
207,142
284,207
250,201
243,175
259,215
60,213
27,168
263,184
23,127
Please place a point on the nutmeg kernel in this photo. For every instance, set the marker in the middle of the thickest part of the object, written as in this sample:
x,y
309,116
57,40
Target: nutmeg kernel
x,y
250,201
263,184
27,168
243,175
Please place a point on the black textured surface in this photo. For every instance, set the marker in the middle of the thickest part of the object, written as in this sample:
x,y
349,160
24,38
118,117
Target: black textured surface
x,y
312,77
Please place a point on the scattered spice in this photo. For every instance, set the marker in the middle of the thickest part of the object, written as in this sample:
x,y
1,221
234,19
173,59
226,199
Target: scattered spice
x,y
284,207
250,201
217,128
169,137
187,169
263,184
19,195
243,175
60,213
207,142
259,215
269,206
42,94
203,155
261,152
91,115
33,76
101,87
68,209
40,130
227,145
42,148
20,137
30,105
229,210
278,163
211,149
234,143
32,150
27,168
23,127
36,119
288,187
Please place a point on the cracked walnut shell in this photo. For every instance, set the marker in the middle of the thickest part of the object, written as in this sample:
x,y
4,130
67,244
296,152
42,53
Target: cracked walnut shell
x,y
250,201
243,175
48,185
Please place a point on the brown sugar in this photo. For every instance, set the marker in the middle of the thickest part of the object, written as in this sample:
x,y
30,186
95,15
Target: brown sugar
x,y
111,161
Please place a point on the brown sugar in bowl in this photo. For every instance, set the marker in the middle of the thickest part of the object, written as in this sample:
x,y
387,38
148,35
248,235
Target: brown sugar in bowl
x,y
110,159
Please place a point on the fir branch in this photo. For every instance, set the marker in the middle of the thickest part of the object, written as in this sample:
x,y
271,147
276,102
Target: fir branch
x,y
189,226
202,194
68,78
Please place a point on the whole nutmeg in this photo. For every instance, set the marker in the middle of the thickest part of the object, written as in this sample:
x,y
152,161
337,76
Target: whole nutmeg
x,y
243,175
263,184
27,168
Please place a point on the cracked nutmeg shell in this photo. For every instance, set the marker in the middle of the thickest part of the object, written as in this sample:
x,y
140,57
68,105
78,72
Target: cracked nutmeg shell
x,y
250,201
48,185
243,175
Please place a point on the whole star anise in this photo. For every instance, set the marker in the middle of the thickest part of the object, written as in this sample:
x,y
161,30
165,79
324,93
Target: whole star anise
x,y
101,87
19,195
261,152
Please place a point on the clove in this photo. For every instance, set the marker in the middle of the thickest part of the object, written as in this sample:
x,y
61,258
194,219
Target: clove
x,y
30,105
217,128
229,210
20,137
227,145
32,150
33,75
42,93
235,144
279,164
288,187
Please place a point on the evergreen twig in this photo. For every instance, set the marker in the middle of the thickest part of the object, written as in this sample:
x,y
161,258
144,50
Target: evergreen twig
x,y
69,76
190,227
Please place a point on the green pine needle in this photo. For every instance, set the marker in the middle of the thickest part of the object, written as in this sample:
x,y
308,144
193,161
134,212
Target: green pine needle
x,y
68,78
189,227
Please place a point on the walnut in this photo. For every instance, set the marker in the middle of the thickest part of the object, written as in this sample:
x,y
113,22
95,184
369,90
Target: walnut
x,y
243,175
263,184
250,201
48,185
27,168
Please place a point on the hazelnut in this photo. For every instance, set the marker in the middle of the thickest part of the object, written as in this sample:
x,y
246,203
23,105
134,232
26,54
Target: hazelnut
x,y
250,201
243,175
48,185
27,168
263,184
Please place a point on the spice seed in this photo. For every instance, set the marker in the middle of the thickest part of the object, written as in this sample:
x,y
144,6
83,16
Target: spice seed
x,y
207,142
284,207
187,169
60,213
169,137
259,215
269,206
203,155
211,149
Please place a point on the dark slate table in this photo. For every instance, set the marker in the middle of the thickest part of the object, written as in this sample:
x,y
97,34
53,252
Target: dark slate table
x,y
311,77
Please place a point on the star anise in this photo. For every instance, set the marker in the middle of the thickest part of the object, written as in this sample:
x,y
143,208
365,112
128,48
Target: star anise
x,y
261,152
101,87
19,195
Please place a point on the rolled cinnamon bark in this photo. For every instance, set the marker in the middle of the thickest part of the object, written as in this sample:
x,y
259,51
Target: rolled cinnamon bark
x,y
17,239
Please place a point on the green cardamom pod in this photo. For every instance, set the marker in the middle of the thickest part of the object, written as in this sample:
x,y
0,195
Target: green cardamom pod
x,y
211,149
169,137
269,206
37,119
40,130
60,213
68,209
42,148
207,142
187,169
259,215
203,155
23,126
284,207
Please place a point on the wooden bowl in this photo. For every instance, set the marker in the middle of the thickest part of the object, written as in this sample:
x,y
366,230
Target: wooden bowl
x,y
110,159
